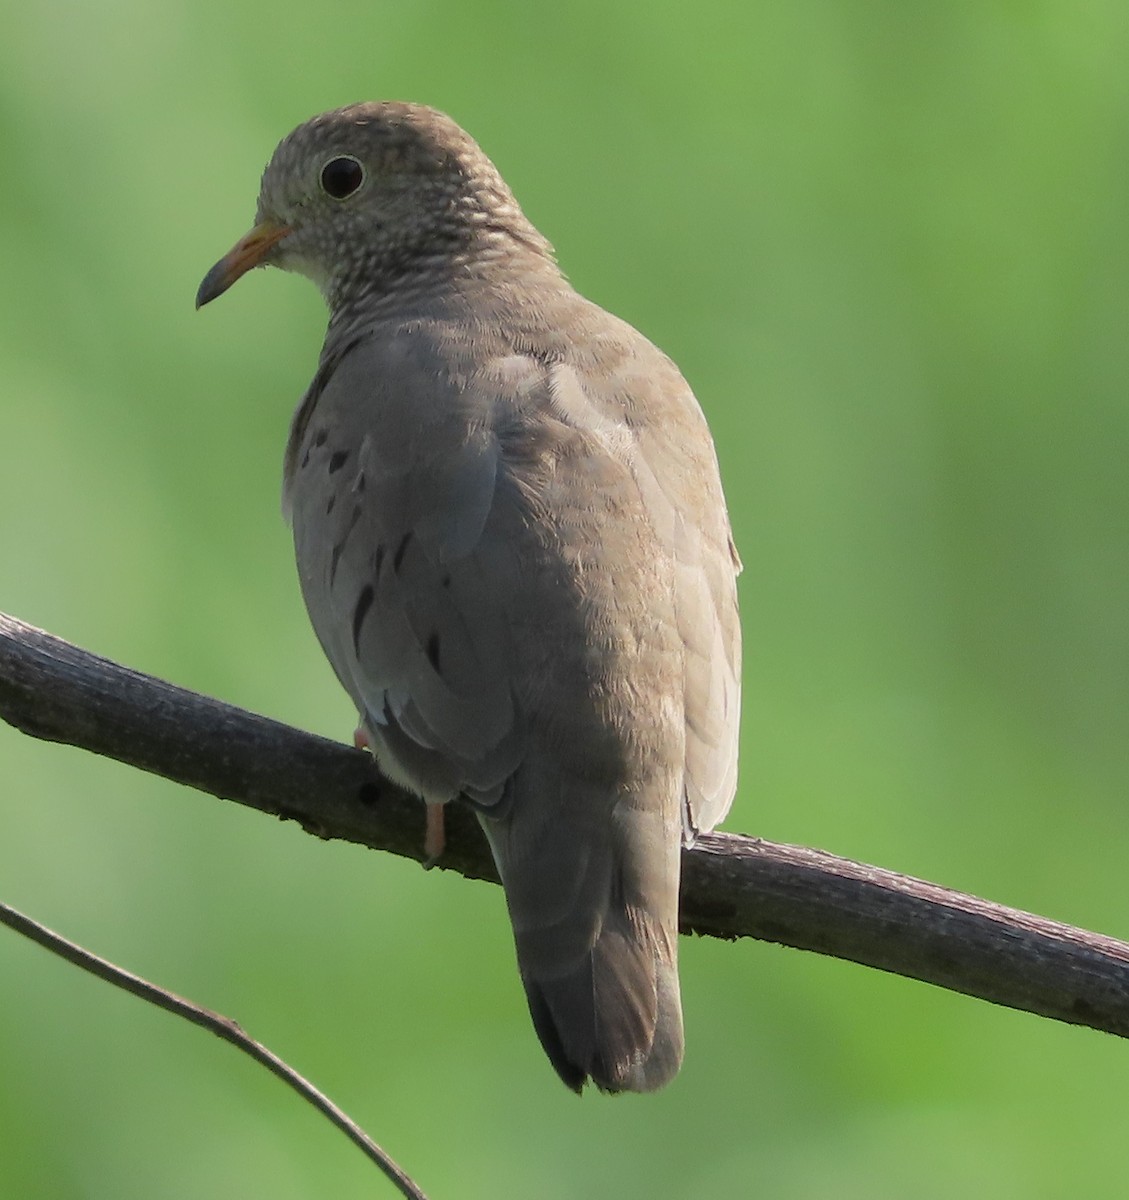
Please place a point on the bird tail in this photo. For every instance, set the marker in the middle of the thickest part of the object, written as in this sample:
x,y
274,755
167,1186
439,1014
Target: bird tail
x,y
616,1018
594,907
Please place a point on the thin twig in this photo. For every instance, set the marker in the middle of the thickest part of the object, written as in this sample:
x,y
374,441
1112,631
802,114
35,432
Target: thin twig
x,y
221,1026
732,886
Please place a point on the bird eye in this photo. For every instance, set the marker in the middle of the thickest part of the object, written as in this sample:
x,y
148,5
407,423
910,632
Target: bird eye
x,y
340,177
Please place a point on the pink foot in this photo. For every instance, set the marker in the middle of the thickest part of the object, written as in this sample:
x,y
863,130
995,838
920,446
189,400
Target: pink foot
x,y
435,838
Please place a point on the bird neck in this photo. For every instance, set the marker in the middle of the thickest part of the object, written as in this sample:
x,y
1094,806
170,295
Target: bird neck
x,y
497,265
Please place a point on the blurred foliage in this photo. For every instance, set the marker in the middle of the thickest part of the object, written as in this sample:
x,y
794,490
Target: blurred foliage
x,y
887,242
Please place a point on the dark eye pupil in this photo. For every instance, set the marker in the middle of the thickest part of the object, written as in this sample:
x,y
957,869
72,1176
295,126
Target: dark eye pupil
x,y
341,177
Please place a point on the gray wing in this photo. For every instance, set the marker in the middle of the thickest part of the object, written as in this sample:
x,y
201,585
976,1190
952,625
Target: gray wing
x,y
627,382
679,479
393,479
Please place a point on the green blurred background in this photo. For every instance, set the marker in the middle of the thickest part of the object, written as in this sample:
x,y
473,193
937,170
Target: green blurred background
x,y
887,243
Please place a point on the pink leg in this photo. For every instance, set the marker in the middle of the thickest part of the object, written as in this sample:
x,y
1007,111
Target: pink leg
x,y
435,839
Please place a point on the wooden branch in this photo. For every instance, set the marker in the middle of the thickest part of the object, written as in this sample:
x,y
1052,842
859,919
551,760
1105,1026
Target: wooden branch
x,y
223,1027
733,886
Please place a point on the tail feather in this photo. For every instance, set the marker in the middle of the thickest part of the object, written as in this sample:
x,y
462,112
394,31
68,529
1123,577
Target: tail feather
x,y
593,899
615,1019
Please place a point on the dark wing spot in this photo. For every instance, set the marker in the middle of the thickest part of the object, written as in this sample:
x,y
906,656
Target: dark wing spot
x,y
309,402
446,580
433,652
378,561
337,460
398,557
320,438
364,603
306,458
331,505
335,557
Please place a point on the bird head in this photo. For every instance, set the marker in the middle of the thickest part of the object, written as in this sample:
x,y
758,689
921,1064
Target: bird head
x,y
364,197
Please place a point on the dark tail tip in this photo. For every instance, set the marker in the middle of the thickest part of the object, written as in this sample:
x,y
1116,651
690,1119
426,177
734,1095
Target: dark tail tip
x,y
616,1020
572,1076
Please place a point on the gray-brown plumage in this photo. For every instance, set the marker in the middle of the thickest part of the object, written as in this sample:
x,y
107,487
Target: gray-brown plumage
x,y
514,548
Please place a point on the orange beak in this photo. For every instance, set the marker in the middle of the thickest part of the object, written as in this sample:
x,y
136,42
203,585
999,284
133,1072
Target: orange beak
x,y
248,252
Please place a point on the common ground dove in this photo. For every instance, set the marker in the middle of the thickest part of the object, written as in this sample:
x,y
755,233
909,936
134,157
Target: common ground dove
x,y
514,548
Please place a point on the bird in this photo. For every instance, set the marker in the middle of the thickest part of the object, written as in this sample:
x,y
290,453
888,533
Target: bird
x,y
515,551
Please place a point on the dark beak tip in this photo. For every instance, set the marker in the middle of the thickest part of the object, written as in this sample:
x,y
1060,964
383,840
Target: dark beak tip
x,y
214,284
